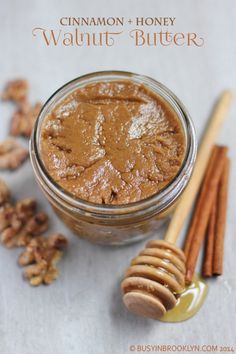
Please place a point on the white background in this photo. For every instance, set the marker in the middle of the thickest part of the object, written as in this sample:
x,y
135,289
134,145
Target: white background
x,y
82,312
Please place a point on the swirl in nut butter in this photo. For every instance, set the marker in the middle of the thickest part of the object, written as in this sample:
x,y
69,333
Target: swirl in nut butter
x,y
112,143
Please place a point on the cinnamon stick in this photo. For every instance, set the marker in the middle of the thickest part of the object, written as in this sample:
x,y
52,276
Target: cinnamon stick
x,y
192,227
203,208
221,221
209,249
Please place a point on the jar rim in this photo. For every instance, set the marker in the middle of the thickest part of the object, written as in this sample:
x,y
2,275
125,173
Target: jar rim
x,y
159,200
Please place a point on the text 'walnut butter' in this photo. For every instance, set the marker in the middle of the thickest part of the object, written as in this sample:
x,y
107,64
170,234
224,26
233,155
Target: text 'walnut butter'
x,y
112,143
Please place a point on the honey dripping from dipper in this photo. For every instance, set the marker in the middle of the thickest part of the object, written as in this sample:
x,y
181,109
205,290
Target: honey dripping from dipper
x,y
154,284
189,302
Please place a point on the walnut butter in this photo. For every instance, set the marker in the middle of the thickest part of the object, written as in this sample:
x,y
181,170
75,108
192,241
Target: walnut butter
x,y
113,151
113,142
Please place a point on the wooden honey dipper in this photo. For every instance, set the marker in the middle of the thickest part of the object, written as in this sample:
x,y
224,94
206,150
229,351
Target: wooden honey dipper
x,y
157,275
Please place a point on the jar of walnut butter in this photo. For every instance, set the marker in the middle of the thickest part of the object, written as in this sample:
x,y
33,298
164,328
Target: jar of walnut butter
x,y
113,151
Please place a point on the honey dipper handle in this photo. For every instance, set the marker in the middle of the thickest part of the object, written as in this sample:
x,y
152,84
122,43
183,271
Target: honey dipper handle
x,y
208,140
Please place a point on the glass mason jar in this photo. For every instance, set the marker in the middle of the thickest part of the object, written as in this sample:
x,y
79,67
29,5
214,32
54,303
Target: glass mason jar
x,y
114,224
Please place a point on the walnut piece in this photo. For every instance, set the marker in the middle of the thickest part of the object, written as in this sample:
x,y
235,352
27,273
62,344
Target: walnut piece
x,y
16,90
23,120
12,155
41,256
20,223
4,193
21,226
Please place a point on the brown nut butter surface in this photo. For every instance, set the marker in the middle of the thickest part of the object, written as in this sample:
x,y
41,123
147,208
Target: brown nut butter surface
x,y
113,143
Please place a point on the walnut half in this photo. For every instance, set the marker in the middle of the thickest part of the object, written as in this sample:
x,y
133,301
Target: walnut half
x,y
12,155
24,118
41,256
20,223
16,91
